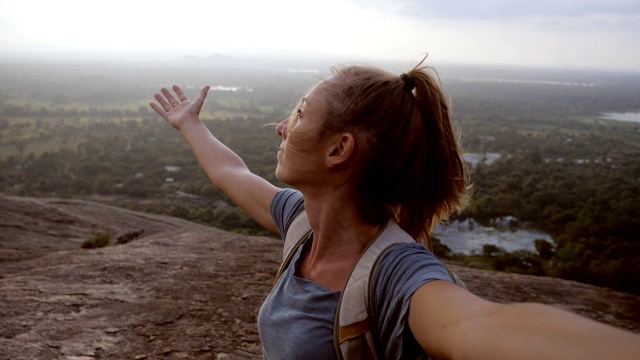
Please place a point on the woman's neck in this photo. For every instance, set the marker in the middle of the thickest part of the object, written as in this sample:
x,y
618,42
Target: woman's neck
x,y
339,237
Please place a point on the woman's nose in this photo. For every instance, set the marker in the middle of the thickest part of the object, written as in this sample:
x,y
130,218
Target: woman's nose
x,y
281,129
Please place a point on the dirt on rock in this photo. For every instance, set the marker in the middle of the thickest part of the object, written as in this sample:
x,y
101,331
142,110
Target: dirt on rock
x,y
175,289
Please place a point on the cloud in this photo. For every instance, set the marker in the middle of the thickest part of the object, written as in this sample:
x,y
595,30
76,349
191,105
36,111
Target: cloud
x,y
613,24
492,9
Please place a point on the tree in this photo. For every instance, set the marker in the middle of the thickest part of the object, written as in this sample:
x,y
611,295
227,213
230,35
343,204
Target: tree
x,y
440,249
544,248
491,250
519,261
20,145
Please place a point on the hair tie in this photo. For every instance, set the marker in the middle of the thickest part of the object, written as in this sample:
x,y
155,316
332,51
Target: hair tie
x,y
409,83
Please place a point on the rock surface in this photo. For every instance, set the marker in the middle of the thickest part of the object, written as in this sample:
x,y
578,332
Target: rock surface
x,y
177,290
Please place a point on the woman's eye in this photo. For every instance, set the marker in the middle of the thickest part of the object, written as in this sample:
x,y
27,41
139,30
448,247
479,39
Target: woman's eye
x,y
299,113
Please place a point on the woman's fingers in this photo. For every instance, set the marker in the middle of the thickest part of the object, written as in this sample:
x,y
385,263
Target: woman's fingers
x,y
176,112
166,101
170,99
157,109
163,102
179,92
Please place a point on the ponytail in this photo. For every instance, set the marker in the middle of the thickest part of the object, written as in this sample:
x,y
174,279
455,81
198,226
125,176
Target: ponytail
x,y
408,164
442,187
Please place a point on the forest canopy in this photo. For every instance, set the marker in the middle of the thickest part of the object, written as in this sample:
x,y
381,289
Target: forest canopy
x,y
72,130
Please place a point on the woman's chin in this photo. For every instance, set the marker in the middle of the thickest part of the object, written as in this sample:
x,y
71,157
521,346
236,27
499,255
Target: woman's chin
x,y
282,176
279,173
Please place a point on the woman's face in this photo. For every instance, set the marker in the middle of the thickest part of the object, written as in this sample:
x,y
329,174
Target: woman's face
x,y
300,158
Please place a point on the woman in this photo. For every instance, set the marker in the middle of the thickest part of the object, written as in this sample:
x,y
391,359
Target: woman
x,y
362,147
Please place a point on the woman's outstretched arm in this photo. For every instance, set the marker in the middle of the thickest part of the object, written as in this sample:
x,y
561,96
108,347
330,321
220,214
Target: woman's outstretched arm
x,y
225,168
452,323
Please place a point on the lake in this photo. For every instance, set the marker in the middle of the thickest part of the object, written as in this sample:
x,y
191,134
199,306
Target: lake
x,y
485,158
467,237
626,116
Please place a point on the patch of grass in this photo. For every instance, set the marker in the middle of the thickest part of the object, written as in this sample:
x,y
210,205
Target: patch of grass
x,y
474,261
98,241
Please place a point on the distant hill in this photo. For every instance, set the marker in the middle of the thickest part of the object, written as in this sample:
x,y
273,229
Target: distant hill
x,y
177,289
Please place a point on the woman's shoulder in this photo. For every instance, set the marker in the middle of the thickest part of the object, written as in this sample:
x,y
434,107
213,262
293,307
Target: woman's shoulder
x,y
400,272
286,204
406,263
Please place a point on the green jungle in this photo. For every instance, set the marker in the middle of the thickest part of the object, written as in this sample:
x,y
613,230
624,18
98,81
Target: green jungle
x,y
85,130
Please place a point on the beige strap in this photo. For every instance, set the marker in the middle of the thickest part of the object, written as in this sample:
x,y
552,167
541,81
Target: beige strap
x,y
298,232
353,304
298,229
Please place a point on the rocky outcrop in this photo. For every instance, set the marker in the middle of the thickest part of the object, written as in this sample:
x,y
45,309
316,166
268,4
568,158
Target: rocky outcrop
x,y
175,289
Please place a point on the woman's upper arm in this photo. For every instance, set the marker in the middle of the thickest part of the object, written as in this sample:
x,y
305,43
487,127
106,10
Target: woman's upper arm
x,y
230,174
253,195
437,314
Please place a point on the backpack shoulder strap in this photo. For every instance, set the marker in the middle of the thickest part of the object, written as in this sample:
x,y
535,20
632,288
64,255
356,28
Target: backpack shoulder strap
x,y
353,335
298,232
352,322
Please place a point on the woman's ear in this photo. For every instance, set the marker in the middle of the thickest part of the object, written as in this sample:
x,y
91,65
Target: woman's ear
x,y
340,150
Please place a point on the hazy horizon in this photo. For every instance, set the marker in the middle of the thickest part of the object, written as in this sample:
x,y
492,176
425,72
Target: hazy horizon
x,y
310,62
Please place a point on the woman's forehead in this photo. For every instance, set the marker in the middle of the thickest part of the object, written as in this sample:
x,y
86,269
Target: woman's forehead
x,y
313,92
316,95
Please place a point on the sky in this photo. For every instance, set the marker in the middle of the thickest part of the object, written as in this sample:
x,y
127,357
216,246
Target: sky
x,y
596,34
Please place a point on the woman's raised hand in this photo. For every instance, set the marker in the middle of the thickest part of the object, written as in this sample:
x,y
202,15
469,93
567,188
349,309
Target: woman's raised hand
x,y
178,111
225,168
